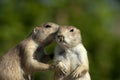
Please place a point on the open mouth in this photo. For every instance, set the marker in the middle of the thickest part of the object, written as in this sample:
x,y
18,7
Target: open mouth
x,y
60,38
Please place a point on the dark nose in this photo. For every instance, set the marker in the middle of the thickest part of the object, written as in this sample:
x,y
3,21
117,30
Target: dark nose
x,y
60,36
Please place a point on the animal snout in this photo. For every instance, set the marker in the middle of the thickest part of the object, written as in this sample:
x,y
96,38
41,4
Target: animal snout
x,y
60,37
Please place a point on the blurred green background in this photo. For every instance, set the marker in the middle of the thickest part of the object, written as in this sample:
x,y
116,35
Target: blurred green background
x,y
98,20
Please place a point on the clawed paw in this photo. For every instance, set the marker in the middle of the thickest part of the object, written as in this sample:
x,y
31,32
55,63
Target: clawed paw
x,y
60,67
76,74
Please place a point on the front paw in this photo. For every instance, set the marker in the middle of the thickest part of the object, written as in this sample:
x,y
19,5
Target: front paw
x,y
61,68
76,73
52,66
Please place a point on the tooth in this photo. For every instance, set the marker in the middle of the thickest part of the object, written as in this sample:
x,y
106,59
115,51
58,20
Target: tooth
x,y
58,40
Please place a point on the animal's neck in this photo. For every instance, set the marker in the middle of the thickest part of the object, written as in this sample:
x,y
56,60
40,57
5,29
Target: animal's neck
x,y
76,49
30,44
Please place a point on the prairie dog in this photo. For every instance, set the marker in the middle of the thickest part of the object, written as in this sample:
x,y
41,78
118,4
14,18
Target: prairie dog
x,y
19,63
70,59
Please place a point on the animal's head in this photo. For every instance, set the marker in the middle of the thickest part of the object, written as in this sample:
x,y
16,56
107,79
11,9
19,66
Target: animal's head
x,y
68,36
45,32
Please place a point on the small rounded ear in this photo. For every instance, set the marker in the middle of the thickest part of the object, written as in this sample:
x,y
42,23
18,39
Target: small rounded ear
x,y
36,30
78,30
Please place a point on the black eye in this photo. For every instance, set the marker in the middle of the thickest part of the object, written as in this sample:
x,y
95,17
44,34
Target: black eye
x,y
71,30
47,26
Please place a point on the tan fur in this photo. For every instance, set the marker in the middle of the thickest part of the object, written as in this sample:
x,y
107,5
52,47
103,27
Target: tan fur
x,y
20,62
71,62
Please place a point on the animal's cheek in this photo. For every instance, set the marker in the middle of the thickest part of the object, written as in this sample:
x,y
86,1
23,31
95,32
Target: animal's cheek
x,y
67,40
69,37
